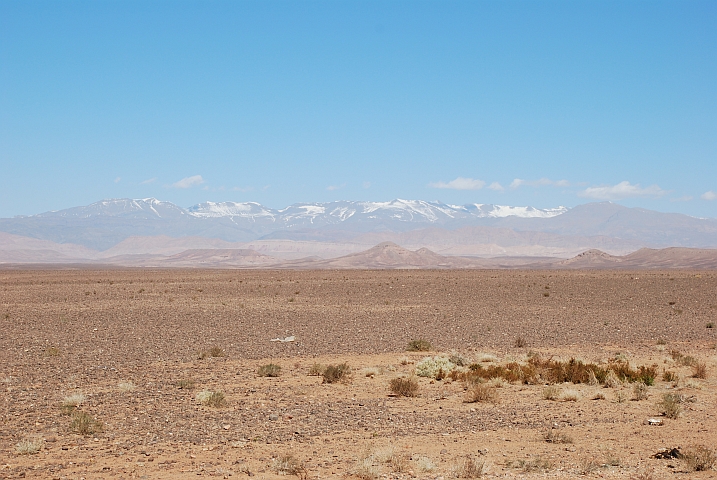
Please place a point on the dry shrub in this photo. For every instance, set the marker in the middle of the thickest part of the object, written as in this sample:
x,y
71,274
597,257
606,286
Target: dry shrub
x,y
668,376
533,465
212,352
366,469
84,424
212,399
458,359
71,402
404,387
556,436
620,396
126,386
29,446
269,370
336,373
551,392
470,467
482,393
419,345
185,384
699,458
699,370
520,342
670,405
52,352
425,464
288,465
438,367
639,391
316,370
570,395
611,380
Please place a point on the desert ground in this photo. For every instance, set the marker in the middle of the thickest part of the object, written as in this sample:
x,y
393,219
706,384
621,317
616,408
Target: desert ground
x,y
138,373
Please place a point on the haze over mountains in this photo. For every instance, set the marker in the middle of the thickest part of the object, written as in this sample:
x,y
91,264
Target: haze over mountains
x,y
151,232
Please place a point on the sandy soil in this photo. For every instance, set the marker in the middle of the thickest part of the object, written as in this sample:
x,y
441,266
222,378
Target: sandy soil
x,y
126,339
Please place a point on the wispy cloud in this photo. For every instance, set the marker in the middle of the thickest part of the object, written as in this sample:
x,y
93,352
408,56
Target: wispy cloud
x,y
189,182
331,188
460,183
543,182
118,179
148,181
622,190
243,189
496,186
685,198
709,195
366,184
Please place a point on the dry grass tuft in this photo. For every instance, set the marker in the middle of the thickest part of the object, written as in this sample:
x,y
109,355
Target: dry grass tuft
x,y
404,387
699,458
670,405
185,384
699,370
289,465
269,370
336,373
570,395
212,399
470,467
482,393
126,386
29,446
551,392
425,464
316,370
52,352
419,345
213,352
71,402
556,436
84,424
639,391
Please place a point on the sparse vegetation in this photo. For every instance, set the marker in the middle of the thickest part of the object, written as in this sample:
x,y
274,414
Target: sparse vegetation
x,y
126,386
336,373
699,458
670,405
669,376
289,465
316,370
699,370
213,352
404,387
620,396
469,467
185,384
419,345
435,367
269,370
85,424
520,342
212,399
551,392
556,436
639,391
570,395
29,446
482,393
71,402
425,464
52,352
536,464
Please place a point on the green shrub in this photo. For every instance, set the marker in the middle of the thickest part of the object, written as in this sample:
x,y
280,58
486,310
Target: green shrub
x,y
435,367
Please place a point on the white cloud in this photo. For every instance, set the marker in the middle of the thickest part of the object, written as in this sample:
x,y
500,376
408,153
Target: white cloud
x,y
711,195
685,198
460,183
117,180
331,188
148,181
622,190
243,189
543,182
189,182
366,184
496,186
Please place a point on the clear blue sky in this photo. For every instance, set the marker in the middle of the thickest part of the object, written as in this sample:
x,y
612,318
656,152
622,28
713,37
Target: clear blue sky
x,y
537,103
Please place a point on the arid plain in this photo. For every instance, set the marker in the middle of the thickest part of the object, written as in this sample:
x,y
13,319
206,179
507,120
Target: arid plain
x,y
109,373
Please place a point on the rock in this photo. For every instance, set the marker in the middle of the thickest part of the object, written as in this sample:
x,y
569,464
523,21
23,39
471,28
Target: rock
x,y
653,421
273,417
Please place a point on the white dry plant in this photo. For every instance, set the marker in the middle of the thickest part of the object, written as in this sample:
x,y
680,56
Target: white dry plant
x,y
29,446
73,400
432,367
366,469
405,360
204,396
486,358
497,382
570,395
425,464
612,380
126,386
458,359
691,383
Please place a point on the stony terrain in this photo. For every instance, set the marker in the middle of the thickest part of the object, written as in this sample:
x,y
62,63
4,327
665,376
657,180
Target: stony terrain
x,y
138,345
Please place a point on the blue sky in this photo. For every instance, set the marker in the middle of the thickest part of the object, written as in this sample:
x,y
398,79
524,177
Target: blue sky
x,y
512,102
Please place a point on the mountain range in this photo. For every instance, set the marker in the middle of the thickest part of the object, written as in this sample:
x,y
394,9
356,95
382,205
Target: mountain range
x,y
130,231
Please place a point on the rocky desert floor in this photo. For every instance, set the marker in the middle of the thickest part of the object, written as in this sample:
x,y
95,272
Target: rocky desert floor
x,y
110,374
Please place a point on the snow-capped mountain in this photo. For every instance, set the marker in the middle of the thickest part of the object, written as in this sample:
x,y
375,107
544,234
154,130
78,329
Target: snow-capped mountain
x,y
336,212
